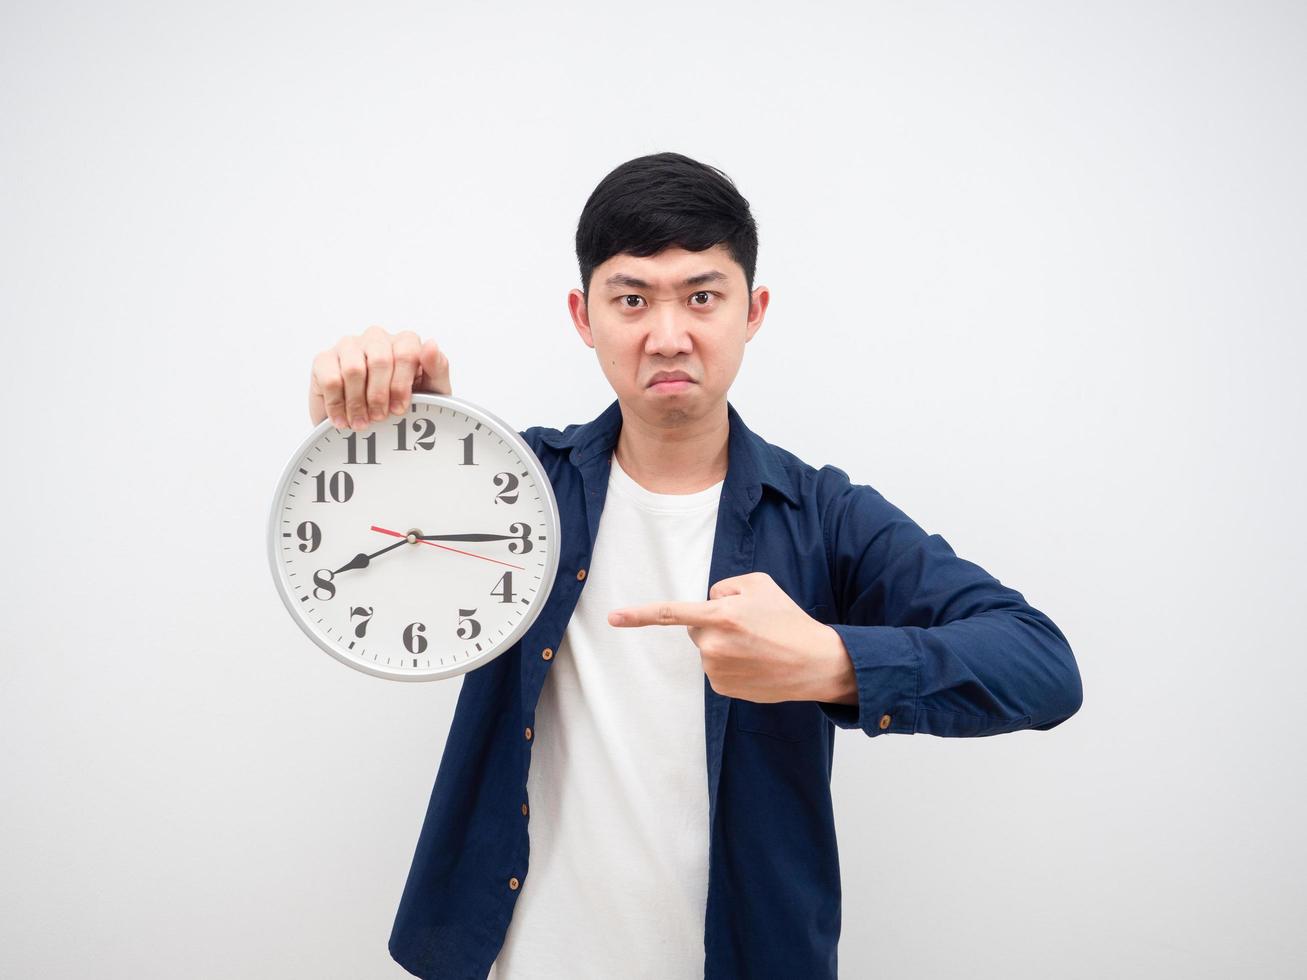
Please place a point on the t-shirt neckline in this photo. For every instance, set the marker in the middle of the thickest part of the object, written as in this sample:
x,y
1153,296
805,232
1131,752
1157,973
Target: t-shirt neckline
x,y
623,483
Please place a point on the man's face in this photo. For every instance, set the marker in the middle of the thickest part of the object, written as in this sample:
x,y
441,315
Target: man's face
x,y
676,311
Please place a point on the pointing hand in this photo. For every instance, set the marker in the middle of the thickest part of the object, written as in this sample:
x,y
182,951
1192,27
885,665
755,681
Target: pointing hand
x,y
754,640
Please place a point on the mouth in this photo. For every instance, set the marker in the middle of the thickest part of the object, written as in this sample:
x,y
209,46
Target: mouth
x,y
670,381
671,387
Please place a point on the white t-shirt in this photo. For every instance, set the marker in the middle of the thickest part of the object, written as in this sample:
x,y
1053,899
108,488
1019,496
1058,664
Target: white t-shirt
x,y
617,881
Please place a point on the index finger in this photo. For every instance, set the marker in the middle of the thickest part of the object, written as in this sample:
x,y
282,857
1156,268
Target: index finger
x,y
327,390
665,614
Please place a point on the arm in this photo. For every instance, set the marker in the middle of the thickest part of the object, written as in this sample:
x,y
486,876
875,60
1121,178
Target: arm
x,y
937,645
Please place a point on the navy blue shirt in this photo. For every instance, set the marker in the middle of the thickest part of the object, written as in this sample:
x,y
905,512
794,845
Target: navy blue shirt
x,y
939,647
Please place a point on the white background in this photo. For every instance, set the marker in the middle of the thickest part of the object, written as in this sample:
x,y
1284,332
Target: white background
x,y
1037,275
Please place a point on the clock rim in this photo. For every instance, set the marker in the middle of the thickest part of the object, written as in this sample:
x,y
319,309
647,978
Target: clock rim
x,y
532,463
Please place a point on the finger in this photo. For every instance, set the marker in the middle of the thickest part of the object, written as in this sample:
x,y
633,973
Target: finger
x,y
354,376
407,348
381,365
317,412
665,614
727,586
326,389
435,370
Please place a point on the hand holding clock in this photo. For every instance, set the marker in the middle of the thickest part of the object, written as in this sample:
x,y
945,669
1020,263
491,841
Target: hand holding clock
x,y
362,379
389,437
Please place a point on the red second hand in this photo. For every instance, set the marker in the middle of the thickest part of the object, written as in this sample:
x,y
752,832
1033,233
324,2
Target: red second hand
x,y
399,534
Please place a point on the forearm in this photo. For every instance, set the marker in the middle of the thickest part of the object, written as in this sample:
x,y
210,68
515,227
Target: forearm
x,y
994,672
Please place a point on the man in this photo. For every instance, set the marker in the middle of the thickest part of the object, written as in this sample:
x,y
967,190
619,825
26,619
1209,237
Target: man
x,y
640,787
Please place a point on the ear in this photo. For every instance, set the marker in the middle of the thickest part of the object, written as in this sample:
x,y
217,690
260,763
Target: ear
x,y
757,308
576,306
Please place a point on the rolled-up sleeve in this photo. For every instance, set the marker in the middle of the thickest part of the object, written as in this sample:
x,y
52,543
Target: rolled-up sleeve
x,y
939,646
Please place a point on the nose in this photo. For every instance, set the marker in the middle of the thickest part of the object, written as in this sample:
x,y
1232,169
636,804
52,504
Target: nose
x,y
668,332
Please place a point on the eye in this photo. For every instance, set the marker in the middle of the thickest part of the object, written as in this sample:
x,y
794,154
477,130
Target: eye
x,y
703,292
631,296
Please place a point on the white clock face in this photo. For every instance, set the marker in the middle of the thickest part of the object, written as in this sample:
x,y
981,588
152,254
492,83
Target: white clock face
x,y
419,548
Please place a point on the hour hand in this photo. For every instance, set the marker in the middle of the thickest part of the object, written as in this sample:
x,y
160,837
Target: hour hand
x,y
358,561
362,561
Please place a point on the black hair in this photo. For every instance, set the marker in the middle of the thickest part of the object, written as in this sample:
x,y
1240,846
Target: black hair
x,y
661,200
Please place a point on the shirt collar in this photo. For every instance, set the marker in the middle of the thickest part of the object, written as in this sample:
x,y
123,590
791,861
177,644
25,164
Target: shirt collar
x,y
754,458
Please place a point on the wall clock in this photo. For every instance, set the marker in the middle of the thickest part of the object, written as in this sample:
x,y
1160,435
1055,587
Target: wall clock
x,y
420,548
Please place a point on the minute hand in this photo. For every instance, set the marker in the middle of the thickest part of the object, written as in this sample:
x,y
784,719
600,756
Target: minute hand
x,y
470,537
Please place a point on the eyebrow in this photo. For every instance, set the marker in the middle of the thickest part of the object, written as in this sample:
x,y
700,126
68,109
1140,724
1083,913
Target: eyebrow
x,y
622,279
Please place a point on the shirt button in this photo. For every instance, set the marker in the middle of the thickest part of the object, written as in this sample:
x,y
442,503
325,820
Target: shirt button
x,y
528,731
580,575
548,653
513,883
884,721
524,809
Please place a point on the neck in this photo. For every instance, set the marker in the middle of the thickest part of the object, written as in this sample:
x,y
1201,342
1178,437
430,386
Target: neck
x,y
675,453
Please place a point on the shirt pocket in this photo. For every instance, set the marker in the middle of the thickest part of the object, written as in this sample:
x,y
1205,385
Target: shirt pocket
x,y
789,721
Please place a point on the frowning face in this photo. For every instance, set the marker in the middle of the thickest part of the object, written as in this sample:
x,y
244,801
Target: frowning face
x,y
680,315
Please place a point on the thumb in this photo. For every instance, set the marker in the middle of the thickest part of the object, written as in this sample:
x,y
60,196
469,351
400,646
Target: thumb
x,y
434,373
727,586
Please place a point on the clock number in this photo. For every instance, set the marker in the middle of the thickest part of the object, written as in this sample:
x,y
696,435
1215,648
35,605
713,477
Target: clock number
x,y
351,452
340,486
526,538
365,612
467,449
310,537
323,586
465,615
414,642
507,582
424,431
510,486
